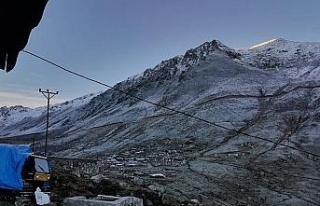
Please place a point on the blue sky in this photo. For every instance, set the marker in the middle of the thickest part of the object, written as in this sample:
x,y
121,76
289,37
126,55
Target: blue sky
x,y
111,40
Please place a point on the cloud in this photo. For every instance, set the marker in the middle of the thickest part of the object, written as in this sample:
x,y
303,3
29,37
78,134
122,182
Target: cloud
x,y
25,99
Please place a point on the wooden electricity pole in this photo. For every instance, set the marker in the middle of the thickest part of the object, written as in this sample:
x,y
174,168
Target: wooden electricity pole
x,y
48,95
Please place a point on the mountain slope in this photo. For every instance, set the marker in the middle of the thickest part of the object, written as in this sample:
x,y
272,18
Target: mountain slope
x,y
242,127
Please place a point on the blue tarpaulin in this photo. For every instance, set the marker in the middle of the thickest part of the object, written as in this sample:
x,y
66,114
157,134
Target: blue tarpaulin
x,y
12,158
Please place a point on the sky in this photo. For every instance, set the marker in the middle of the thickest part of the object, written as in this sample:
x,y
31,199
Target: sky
x,y
111,40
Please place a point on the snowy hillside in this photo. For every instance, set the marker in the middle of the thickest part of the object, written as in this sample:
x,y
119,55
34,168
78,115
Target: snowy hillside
x,y
299,59
15,114
19,120
242,126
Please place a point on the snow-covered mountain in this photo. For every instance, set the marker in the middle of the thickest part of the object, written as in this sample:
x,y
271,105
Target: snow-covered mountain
x,y
244,123
300,59
19,120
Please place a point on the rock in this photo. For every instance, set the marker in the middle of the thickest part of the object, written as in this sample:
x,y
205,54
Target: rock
x,y
169,200
195,201
156,188
148,202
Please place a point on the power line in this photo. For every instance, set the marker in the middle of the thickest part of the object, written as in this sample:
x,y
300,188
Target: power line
x,y
165,107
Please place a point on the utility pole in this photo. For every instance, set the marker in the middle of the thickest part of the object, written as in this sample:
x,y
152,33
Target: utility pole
x,y
48,95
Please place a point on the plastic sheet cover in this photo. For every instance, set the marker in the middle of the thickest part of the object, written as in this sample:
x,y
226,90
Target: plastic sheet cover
x,y
12,158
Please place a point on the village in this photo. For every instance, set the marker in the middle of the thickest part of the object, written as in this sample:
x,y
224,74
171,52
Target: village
x,y
145,164
129,164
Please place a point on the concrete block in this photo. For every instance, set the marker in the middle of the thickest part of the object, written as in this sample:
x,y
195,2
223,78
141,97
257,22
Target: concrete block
x,y
103,200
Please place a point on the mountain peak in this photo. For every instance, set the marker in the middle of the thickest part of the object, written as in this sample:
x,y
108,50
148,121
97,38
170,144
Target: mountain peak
x,y
287,49
283,44
268,42
282,53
